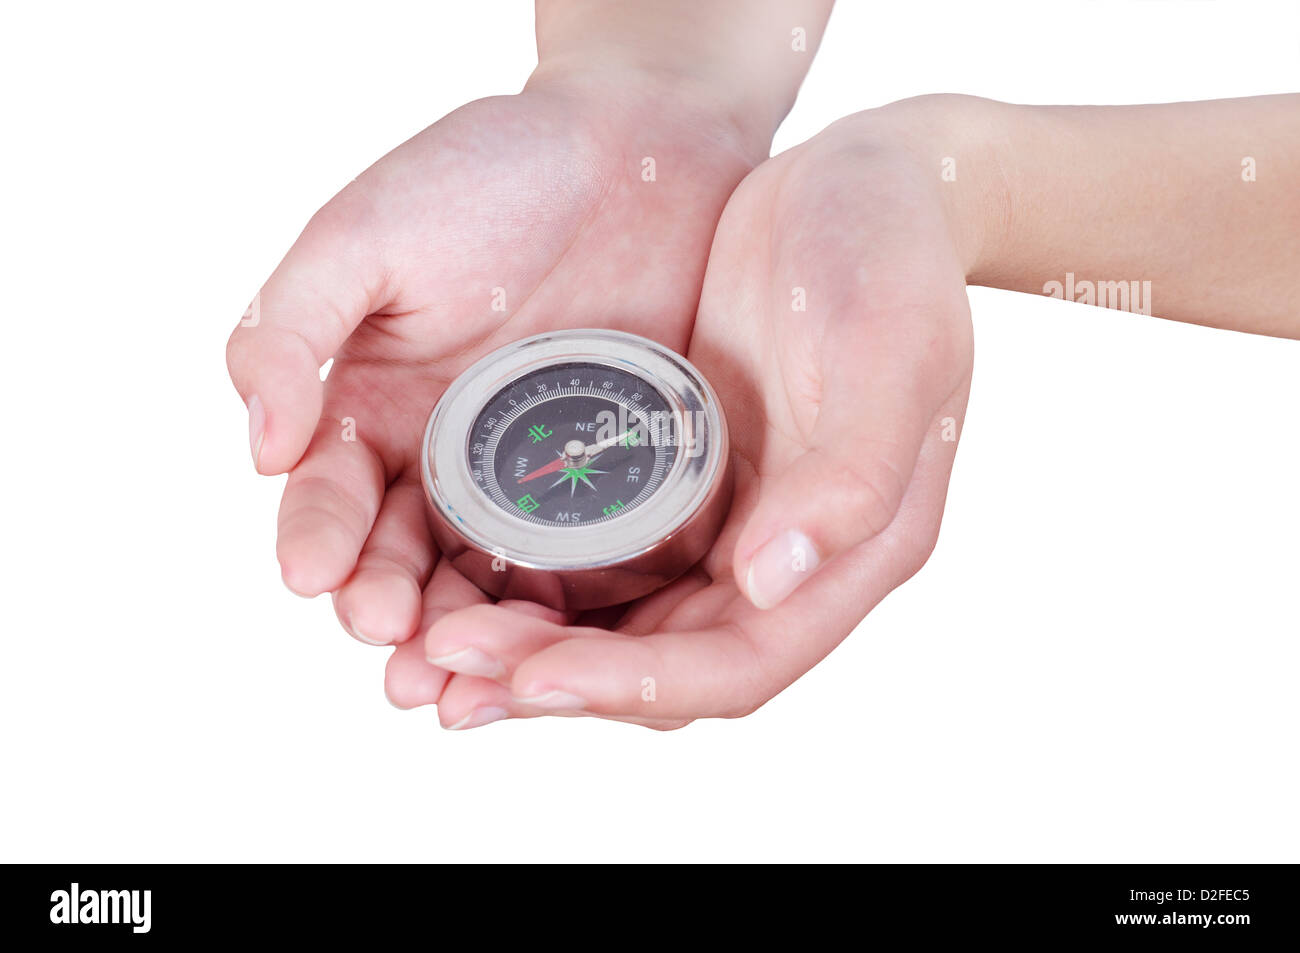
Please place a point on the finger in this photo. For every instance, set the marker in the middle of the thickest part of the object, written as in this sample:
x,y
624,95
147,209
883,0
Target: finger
x,y
325,286
329,505
672,606
469,702
665,676
409,680
488,641
381,601
491,640
728,670
880,388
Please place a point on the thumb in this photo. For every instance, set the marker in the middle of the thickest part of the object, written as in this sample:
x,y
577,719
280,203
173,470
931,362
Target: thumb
x,y
848,483
820,506
317,296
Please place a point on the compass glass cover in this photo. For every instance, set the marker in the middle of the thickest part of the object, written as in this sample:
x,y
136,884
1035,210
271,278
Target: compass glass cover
x,y
573,444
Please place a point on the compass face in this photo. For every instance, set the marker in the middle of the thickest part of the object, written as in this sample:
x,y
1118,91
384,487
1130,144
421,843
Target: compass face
x,y
572,444
576,469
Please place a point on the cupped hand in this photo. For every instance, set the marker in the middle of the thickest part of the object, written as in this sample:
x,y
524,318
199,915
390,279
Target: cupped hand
x,y
572,204
834,324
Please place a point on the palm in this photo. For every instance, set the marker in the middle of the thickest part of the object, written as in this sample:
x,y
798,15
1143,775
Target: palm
x,y
509,217
861,280
885,321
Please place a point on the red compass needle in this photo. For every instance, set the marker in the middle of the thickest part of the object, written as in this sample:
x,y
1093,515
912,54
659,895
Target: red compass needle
x,y
554,466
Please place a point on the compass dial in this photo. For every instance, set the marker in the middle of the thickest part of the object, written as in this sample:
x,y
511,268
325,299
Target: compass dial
x,y
577,469
572,444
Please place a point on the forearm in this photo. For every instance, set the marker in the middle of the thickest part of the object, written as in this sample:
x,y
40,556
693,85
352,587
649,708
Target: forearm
x,y
1201,200
743,59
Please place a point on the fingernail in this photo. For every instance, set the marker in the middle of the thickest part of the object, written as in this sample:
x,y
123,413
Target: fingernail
x,y
554,699
479,717
359,636
779,567
256,427
470,661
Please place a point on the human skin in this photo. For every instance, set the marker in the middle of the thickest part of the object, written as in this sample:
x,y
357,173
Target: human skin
x,y
844,416
541,195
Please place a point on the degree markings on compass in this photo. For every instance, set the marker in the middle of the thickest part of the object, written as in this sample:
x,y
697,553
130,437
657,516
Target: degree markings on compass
x,y
509,416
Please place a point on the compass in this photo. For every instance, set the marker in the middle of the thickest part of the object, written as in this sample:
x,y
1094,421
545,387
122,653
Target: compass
x,y
578,469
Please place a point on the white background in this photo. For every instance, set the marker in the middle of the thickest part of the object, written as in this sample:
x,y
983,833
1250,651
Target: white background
x,y
1098,664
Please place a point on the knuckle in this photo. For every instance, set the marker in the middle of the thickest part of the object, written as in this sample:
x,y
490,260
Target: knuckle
x,y
236,349
916,552
748,698
869,492
751,683
745,708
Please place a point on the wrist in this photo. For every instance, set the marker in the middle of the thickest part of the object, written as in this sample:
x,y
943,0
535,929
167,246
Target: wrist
x,y
649,99
734,65
962,143
651,95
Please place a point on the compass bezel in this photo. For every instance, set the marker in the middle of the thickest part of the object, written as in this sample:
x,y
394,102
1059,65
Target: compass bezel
x,y
646,542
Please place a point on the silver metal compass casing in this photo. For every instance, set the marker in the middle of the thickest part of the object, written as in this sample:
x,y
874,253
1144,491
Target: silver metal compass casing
x,y
595,565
